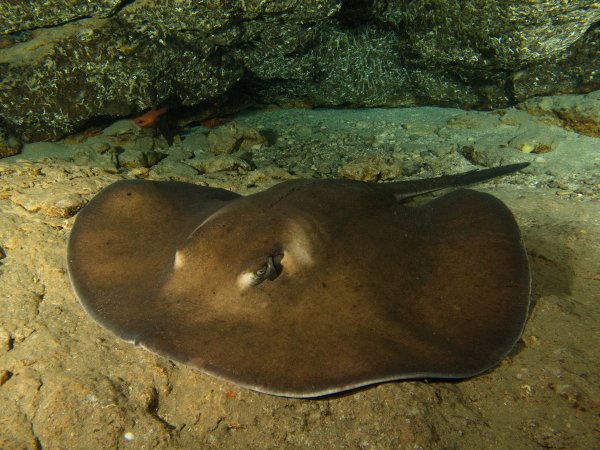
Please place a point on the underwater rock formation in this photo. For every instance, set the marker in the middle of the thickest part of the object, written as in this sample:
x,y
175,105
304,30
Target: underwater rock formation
x,y
62,65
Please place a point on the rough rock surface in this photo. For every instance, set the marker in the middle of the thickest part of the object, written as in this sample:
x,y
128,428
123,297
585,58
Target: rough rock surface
x,y
64,63
574,112
65,382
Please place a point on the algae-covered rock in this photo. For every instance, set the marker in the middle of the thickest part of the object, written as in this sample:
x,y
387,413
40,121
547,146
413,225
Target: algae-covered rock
x,y
63,64
32,14
135,56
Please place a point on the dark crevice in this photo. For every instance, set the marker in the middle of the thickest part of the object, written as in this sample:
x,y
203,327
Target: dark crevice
x,y
117,9
153,406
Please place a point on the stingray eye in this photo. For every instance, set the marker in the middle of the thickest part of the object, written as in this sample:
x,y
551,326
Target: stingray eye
x,y
269,271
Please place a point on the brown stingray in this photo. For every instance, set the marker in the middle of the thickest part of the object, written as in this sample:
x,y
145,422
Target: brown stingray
x,y
310,287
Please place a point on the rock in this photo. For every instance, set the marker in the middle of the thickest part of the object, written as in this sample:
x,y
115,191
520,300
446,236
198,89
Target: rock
x,y
134,159
132,56
173,170
195,142
9,145
371,168
264,174
123,145
535,141
234,136
39,13
5,342
410,167
89,156
483,154
573,112
4,376
221,163
118,58
54,204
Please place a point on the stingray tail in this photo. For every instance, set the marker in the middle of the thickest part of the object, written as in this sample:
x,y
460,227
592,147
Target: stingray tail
x,y
405,190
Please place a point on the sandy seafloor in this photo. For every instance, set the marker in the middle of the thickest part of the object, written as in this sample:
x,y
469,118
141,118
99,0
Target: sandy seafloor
x,y
65,382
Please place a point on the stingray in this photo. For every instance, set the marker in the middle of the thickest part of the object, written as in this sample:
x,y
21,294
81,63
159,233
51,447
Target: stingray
x,y
311,287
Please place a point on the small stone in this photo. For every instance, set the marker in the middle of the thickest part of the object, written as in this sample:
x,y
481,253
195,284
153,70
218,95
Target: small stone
x,y
172,169
269,173
222,163
420,129
101,147
234,136
532,341
54,204
372,168
359,170
132,159
5,341
88,157
9,145
535,141
64,207
140,172
195,142
410,167
4,376
128,436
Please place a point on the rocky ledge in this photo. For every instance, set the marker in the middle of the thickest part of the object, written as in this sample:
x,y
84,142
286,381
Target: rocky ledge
x,y
64,65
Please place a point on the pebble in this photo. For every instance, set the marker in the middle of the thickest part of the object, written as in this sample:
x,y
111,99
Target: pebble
x,y
133,158
264,174
221,163
5,341
9,145
372,168
4,376
234,136
535,141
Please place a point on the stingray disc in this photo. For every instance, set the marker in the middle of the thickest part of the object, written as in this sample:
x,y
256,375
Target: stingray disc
x,y
308,288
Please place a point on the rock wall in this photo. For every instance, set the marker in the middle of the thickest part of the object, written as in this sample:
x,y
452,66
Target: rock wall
x,y
64,64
